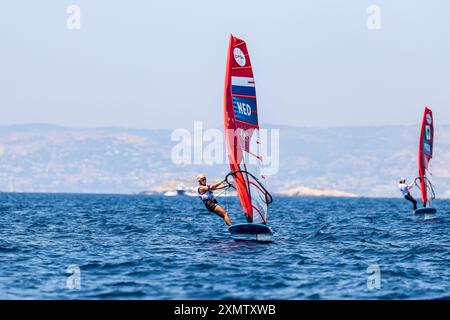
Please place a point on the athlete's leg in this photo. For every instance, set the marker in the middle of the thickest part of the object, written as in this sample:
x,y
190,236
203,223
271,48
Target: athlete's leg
x,y
410,198
222,213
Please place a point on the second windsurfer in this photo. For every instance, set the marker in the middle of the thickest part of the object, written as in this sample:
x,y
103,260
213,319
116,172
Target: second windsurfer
x,y
405,189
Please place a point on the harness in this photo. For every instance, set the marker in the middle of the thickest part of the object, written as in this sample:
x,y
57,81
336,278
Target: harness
x,y
208,199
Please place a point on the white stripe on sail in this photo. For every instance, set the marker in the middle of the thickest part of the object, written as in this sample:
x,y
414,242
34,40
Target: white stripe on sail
x,y
243,81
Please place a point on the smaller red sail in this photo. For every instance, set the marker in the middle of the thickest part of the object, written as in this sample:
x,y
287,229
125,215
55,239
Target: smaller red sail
x,y
425,151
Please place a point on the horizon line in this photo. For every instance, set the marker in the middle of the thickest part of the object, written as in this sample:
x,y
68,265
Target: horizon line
x,y
162,195
46,124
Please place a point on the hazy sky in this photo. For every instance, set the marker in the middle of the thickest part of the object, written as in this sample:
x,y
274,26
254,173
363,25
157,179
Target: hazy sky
x,y
160,64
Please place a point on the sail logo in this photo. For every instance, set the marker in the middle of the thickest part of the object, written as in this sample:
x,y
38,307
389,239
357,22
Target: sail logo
x,y
429,119
239,57
244,109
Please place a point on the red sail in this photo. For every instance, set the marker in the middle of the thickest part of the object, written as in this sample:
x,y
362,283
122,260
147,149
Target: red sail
x,y
241,131
425,151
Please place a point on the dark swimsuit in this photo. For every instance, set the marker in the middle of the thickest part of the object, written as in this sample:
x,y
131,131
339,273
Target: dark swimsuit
x,y
208,199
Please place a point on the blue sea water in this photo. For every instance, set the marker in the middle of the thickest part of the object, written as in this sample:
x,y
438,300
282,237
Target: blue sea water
x,y
154,247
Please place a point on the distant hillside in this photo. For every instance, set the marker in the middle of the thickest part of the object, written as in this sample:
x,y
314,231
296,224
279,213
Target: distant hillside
x,y
365,161
361,160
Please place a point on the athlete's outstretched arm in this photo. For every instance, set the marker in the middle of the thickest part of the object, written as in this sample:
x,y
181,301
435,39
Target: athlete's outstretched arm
x,y
219,185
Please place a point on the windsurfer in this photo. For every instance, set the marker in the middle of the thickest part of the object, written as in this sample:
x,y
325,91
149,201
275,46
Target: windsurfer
x,y
206,194
405,189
